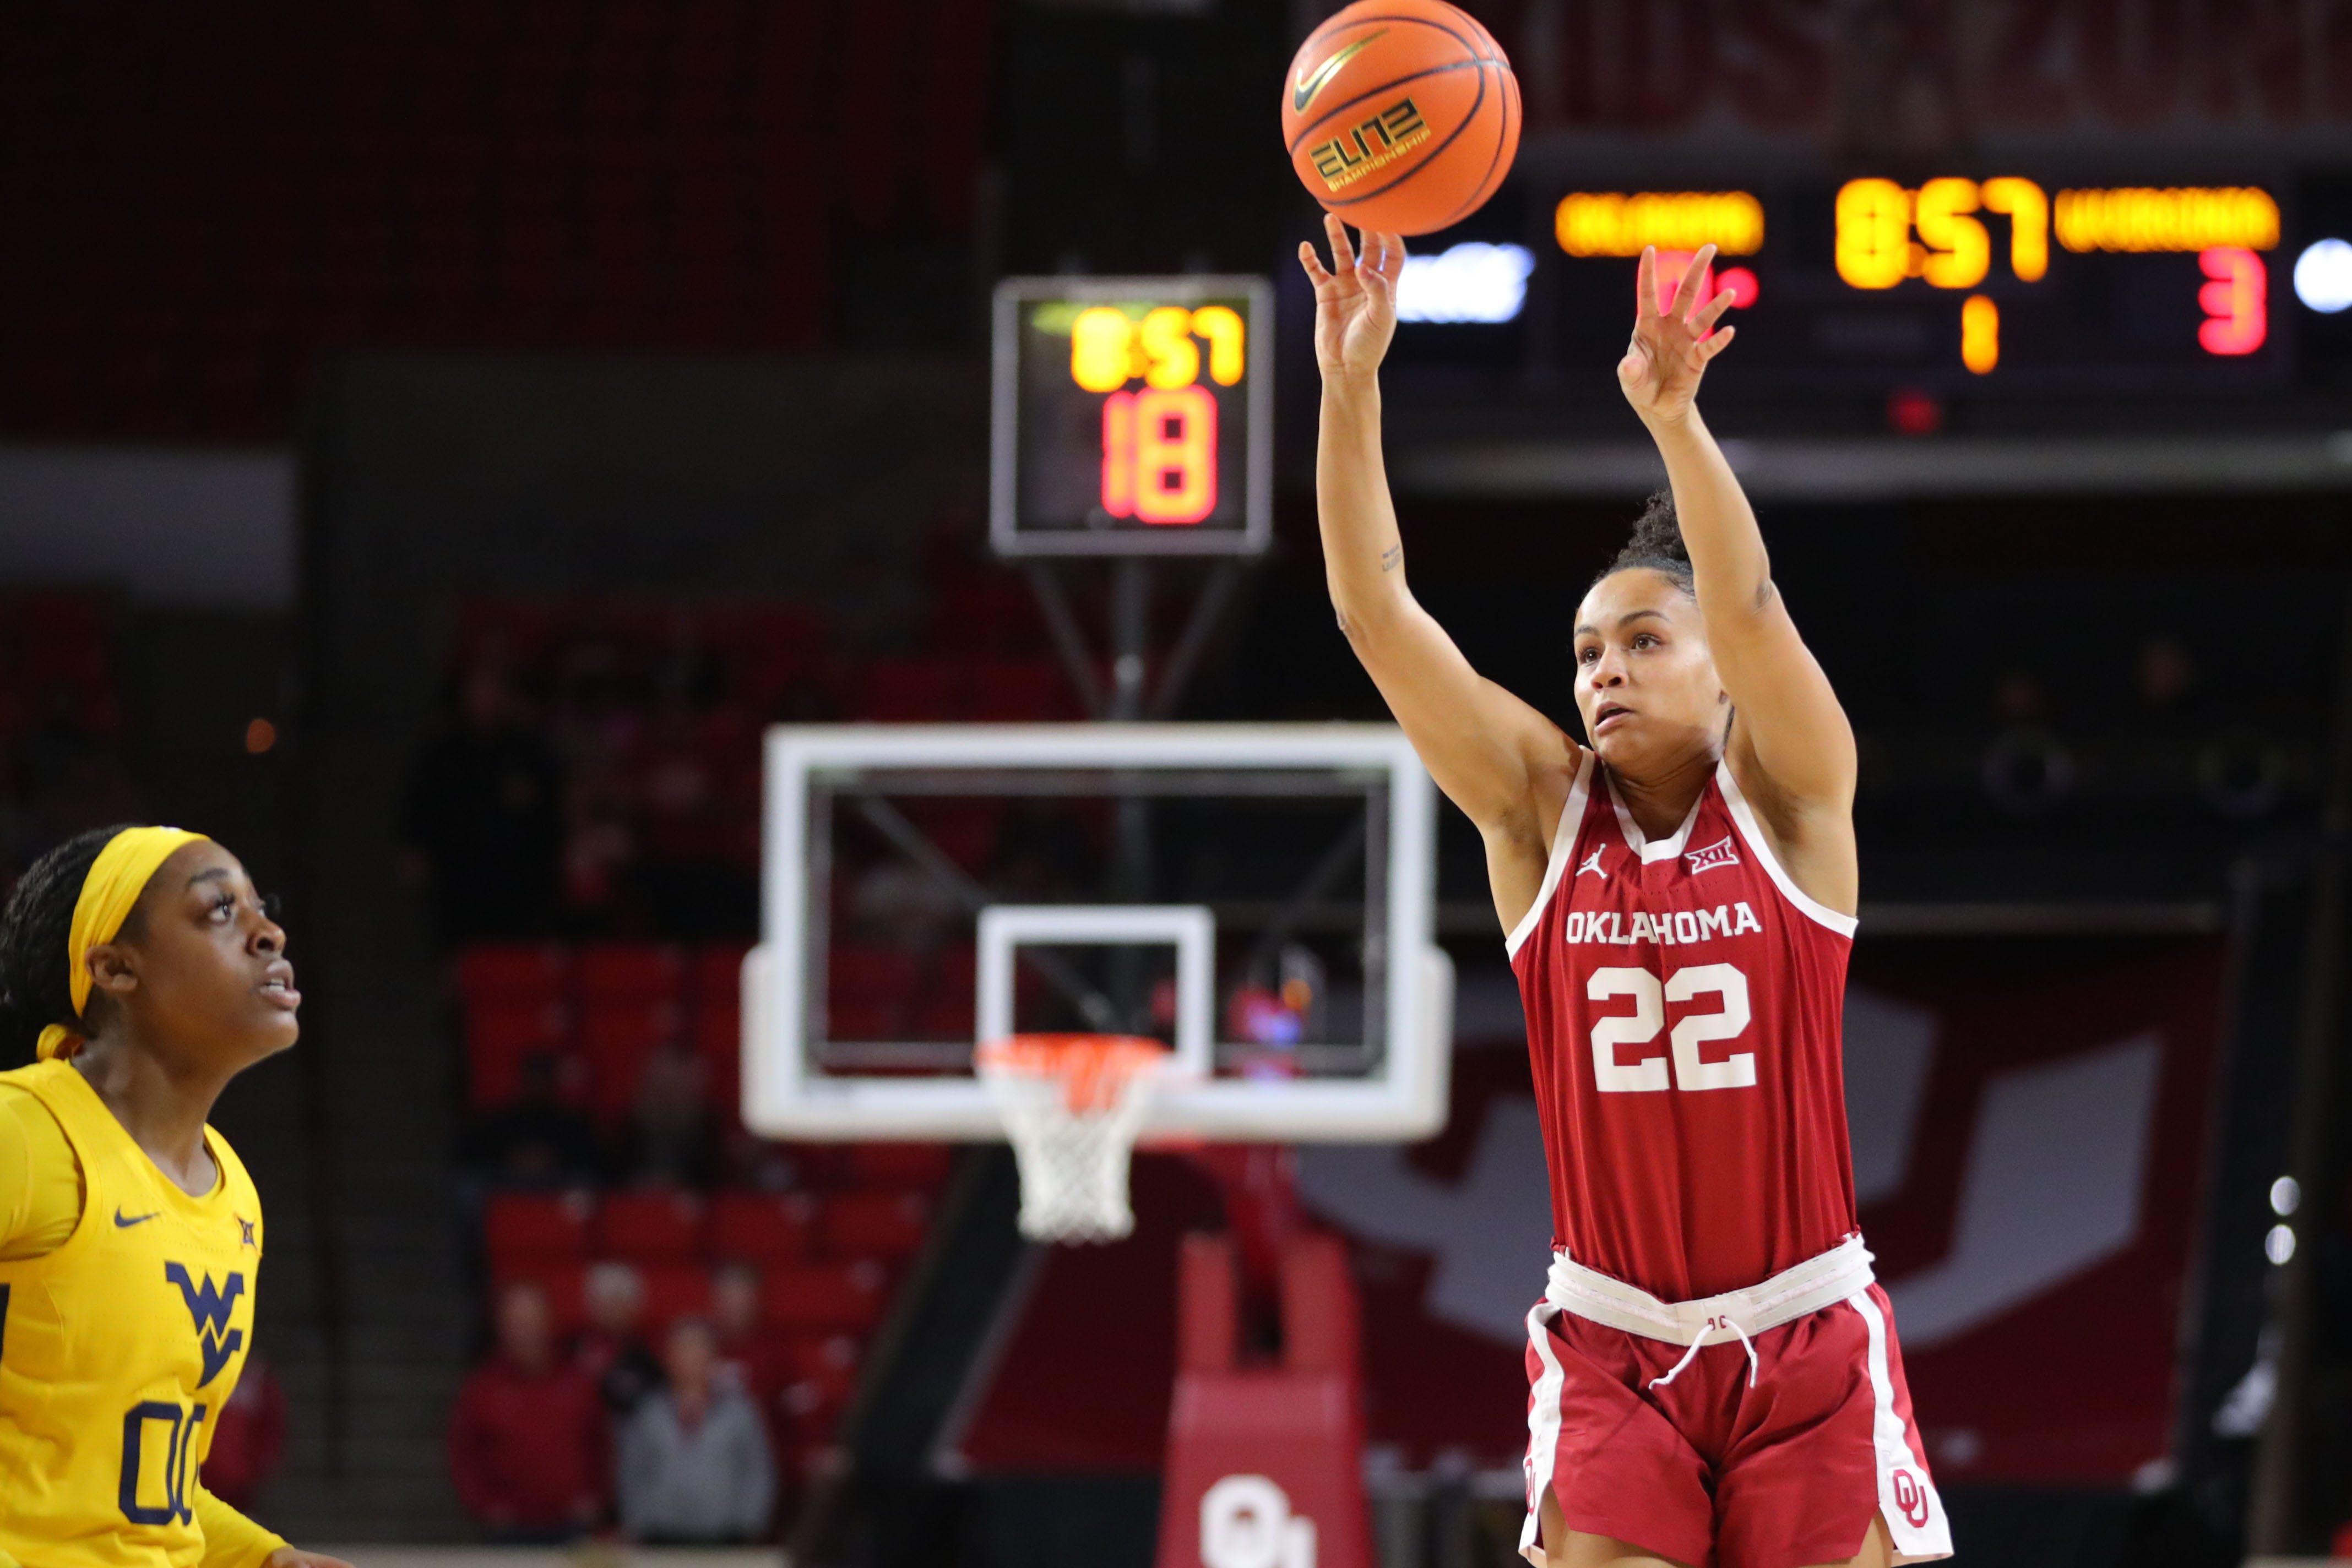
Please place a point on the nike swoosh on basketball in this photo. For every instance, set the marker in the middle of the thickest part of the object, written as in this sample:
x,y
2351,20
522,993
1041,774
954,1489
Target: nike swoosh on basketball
x,y
1304,89
122,1224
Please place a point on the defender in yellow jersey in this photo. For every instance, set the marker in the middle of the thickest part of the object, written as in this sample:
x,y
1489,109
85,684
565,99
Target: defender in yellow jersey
x,y
144,969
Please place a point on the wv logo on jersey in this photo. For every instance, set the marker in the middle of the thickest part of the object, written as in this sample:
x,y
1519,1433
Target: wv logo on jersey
x,y
209,1308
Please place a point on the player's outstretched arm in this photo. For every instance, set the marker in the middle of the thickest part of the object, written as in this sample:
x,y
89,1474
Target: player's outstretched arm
x,y
1789,719
1501,761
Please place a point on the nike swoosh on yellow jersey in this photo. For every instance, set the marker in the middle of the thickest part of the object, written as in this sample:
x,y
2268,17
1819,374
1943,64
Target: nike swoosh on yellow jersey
x,y
1304,89
122,1224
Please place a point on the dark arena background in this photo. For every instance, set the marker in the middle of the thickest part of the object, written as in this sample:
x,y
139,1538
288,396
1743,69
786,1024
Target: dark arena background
x,y
439,441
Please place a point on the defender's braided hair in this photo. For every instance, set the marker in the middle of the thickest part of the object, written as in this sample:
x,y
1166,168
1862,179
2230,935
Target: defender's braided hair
x,y
1657,543
35,990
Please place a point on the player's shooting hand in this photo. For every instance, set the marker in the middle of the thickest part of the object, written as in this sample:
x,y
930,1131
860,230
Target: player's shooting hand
x,y
1355,298
1671,348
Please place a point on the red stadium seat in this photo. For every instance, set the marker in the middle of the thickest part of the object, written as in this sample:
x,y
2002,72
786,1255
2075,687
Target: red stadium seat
x,y
911,691
533,1229
826,1363
888,1225
499,1037
991,615
762,1227
718,1041
651,1227
868,972
716,976
1020,691
840,1297
519,972
616,1039
945,1007
966,831
674,1290
916,1166
611,974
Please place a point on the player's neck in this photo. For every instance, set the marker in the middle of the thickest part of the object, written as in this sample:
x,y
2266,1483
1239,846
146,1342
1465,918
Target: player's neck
x,y
161,1104
1658,799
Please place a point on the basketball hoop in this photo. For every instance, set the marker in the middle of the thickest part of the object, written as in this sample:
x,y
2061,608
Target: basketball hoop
x,y
1072,1105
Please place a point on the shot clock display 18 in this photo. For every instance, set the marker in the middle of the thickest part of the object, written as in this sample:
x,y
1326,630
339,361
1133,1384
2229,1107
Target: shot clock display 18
x,y
1131,416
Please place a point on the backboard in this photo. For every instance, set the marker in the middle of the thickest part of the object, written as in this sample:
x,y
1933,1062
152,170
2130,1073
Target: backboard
x,y
1258,896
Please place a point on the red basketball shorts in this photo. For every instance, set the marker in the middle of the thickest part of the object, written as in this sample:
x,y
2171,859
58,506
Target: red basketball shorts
x,y
1709,1470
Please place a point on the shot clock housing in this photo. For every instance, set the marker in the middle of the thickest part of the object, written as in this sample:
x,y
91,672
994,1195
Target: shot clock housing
x,y
1132,416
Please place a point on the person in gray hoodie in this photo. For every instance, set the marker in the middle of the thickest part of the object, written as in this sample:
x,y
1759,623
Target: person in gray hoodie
x,y
694,1460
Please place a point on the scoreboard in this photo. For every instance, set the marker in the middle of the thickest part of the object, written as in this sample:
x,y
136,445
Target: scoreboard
x,y
1982,281
1132,416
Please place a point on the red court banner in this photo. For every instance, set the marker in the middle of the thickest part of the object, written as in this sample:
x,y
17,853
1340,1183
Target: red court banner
x,y
2030,1121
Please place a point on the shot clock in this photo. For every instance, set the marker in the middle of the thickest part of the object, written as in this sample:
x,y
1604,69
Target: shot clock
x,y
1132,416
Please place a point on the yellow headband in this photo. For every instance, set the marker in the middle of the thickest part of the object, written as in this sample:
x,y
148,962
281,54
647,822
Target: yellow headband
x,y
115,880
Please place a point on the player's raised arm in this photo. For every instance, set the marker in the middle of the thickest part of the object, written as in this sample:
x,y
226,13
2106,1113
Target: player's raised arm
x,y
1504,764
1788,721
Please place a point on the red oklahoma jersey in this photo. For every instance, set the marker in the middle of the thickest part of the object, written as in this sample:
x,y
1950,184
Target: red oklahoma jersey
x,y
1684,1002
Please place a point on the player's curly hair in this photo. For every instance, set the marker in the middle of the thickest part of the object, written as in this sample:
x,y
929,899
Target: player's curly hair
x,y
1657,543
35,990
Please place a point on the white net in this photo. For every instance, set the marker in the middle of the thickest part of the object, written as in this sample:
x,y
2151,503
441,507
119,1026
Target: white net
x,y
1072,1106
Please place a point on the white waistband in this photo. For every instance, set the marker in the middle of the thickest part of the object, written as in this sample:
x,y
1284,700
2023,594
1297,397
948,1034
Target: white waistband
x,y
1791,1293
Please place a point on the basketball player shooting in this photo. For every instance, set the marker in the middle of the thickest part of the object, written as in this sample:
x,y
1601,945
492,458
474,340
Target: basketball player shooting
x,y
1714,1377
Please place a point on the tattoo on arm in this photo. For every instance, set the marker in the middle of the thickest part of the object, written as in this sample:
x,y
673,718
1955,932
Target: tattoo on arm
x,y
1392,558
1764,591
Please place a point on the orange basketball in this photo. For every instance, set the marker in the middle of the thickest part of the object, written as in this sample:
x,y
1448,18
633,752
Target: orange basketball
x,y
1401,115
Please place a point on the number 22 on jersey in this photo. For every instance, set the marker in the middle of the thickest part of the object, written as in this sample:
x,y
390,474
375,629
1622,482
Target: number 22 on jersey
x,y
1612,1075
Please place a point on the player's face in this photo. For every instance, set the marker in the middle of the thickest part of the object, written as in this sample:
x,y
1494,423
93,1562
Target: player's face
x,y
1644,680
206,963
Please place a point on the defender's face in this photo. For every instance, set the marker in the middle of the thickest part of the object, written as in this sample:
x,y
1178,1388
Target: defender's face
x,y
206,968
1645,683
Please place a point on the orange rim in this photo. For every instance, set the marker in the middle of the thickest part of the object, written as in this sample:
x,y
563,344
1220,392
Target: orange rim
x,y
1093,1067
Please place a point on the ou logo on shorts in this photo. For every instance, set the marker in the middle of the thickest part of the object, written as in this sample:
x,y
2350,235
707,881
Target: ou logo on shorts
x,y
1911,1498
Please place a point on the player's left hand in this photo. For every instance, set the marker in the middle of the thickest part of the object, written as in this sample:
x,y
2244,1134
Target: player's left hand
x,y
294,1557
1660,373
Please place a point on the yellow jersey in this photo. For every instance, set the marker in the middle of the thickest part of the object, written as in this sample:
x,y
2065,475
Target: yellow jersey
x,y
116,1349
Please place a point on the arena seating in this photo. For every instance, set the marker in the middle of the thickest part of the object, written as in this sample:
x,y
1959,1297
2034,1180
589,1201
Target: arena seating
x,y
62,767
691,176
829,1251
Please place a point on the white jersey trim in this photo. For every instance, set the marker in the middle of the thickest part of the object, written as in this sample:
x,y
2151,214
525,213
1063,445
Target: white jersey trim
x,y
1543,1427
1915,1525
1563,844
1743,820
1665,849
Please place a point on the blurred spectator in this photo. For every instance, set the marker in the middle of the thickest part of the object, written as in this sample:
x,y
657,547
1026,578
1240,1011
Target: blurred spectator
x,y
672,1135
537,1140
746,1354
610,1349
480,818
529,1443
599,849
874,604
898,902
695,1465
2027,770
2166,677
249,1436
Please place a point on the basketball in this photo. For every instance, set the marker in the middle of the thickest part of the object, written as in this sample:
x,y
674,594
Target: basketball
x,y
1401,115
